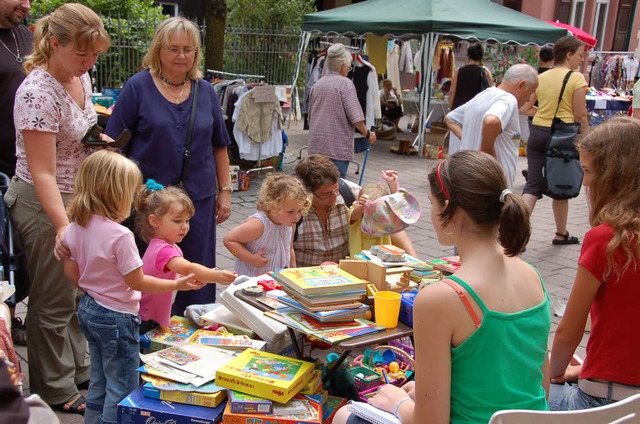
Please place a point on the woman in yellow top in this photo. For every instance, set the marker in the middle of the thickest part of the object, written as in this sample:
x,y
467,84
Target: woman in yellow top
x,y
568,54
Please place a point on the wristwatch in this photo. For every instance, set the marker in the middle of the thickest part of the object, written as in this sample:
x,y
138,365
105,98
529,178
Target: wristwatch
x,y
225,188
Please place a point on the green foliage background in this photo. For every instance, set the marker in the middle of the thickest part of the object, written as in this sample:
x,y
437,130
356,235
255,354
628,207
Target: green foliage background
x,y
273,12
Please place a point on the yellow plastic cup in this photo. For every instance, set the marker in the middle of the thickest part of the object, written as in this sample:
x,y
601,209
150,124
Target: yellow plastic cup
x,y
387,308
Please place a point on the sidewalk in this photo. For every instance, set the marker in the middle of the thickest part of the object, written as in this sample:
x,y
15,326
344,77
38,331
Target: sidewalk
x,y
557,264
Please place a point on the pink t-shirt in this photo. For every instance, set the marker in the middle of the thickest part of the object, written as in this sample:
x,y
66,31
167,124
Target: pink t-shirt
x,y
105,251
157,306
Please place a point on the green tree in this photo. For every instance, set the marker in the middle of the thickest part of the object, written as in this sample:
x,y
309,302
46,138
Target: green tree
x,y
273,12
131,24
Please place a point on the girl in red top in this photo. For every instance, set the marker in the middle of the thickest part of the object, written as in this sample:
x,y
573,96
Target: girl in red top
x,y
607,283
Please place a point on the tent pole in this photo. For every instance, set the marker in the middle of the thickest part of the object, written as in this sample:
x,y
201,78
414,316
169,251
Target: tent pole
x,y
429,45
305,36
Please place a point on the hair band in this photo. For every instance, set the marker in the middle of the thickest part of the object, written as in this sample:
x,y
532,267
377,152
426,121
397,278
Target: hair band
x,y
153,185
503,195
444,190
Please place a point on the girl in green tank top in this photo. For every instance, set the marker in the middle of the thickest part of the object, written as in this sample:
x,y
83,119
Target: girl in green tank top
x,y
481,335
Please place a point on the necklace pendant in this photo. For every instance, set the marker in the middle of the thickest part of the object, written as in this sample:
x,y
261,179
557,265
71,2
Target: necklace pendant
x,y
18,59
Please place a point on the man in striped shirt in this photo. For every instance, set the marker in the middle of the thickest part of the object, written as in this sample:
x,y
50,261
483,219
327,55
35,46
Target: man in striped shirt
x,y
334,111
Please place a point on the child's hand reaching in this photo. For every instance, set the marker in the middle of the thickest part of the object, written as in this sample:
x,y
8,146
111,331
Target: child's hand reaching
x,y
362,200
188,282
391,178
258,259
225,277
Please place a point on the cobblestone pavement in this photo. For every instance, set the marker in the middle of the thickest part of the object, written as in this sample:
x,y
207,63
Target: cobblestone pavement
x,y
556,263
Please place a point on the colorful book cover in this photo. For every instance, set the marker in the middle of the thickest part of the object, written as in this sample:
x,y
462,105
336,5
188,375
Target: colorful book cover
x,y
210,400
330,407
318,280
328,299
236,342
164,384
179,330
297,320
264,374
312,415
242,403
443,265
328,315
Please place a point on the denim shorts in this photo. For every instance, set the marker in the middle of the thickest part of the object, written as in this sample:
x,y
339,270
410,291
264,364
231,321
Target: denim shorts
x,y
569,397
114,345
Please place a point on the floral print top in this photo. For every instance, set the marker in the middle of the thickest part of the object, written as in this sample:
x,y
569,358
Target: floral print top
x,y
43,104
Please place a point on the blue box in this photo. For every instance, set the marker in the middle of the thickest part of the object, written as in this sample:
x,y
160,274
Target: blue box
x,y
406,308
137,409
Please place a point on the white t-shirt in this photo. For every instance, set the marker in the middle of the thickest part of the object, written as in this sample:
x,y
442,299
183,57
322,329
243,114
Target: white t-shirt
x,y
503,105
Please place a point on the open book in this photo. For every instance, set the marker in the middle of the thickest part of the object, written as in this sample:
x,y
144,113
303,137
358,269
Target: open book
x,y
372,414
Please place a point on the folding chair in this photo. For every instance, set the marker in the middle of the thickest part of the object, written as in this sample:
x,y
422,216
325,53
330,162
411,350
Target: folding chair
x,y
625,411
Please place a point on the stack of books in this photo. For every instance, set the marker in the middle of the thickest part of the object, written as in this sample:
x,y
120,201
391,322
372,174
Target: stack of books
x,y
323,301
264,387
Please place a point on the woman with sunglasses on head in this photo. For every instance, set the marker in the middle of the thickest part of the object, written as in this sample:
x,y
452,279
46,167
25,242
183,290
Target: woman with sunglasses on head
x,y
156,106
480,334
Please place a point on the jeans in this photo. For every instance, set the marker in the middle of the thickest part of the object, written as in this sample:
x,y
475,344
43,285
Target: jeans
x,y
569,397
343,166
114,346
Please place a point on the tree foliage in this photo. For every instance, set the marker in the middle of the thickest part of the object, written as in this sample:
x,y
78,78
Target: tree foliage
x,y
274,12
131,24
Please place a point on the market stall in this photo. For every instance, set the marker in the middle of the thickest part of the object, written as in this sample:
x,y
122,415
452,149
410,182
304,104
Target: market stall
x,y
428,20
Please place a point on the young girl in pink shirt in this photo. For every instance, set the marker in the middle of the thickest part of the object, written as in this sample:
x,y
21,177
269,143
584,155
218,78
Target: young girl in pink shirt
x,y
263,242
105,263
163,221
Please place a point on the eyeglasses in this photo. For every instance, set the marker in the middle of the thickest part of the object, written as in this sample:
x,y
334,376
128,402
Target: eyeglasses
x,y
174,51
326,195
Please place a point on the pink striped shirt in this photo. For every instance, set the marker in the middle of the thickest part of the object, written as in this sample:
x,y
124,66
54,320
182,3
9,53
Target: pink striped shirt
x,y
333,112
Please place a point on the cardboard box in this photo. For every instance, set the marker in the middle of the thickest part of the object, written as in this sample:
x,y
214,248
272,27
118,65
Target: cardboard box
x,y
137,409
210,400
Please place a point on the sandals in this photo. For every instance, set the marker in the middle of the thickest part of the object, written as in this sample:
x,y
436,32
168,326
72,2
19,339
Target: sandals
x,y
73,406
566,239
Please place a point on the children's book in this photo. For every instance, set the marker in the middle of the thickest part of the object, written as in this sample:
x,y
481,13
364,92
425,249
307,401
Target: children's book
x,y
443,265
330,407
264,374
242,403
318,280
330,299
327,315
179,330
189,359
164,384
223,339
210,400
313,414
300,321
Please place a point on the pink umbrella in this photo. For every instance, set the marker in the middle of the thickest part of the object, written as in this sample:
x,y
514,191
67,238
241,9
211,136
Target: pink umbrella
x,y
588,39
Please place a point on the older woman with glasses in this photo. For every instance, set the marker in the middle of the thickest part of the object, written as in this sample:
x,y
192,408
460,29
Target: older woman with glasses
x,y
323,234
174,146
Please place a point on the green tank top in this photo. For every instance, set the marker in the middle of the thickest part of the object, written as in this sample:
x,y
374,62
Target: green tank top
x,y
500,365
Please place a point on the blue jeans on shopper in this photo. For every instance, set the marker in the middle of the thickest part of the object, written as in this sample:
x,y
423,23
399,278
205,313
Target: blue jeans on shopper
x,y
569,397
114,344
343,166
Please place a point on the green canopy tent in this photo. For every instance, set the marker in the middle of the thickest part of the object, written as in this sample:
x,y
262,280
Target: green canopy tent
x,y
427,20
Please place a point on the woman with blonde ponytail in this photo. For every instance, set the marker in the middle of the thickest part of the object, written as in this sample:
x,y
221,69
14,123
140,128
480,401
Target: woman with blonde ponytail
x,y
480,334
53,111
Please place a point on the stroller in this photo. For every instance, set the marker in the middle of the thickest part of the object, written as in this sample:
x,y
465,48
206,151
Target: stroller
x,y
13,267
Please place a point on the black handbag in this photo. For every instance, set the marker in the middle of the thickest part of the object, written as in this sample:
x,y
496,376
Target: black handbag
x,y
562,170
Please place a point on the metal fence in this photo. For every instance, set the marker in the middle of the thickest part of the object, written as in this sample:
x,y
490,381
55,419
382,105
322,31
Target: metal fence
x,y
269,51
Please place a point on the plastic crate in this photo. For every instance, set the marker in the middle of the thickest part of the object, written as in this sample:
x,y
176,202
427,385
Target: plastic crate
x,y
369,379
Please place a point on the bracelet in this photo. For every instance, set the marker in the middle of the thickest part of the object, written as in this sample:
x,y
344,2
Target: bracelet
x,y
225,188
395,413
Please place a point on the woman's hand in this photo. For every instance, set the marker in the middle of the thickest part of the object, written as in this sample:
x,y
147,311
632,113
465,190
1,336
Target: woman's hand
x,y
223,206
61,250
388,397
570,375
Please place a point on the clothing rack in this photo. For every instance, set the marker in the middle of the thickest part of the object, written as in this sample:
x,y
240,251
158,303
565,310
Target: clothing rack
x,y
233,74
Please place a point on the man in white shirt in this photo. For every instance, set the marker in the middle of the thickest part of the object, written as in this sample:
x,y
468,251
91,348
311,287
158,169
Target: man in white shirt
x,y
489,122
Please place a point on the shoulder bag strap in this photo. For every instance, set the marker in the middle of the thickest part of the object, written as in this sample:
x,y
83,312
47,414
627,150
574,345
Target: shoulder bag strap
x,y
192,118
564,85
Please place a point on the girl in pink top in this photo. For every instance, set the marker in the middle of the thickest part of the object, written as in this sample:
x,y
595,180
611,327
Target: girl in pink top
x,y
105,263
264,242
162,222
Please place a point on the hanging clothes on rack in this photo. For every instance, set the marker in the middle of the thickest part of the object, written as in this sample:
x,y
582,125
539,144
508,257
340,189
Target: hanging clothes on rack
x,y
616,70
365,79
406,58
393,71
